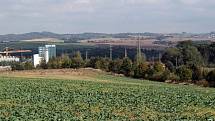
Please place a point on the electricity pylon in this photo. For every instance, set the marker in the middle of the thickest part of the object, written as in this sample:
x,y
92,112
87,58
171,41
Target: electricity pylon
x,y
111,50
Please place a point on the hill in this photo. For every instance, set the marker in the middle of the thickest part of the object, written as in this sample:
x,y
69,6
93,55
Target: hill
x,y
94,95
28,36
65,37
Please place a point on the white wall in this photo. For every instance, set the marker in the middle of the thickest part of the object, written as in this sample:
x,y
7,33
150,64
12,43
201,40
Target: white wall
x,y
47,55
37,59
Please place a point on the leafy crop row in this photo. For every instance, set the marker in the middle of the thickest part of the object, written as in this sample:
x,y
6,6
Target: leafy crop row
x,y
41,99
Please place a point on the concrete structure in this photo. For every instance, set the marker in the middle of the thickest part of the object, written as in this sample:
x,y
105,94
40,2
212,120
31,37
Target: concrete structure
x,y
47,52
37,59
50,52
9,59
42,51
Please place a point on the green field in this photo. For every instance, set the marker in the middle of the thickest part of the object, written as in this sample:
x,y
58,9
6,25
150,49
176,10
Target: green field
x,y
112,98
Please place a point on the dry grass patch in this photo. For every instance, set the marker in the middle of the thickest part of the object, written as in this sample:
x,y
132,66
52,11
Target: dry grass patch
x,y
87,74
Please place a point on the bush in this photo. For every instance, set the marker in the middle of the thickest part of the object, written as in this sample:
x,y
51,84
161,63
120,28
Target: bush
x,y
103,64
115,65
165,75
150,72
127,67
66,61
211,78
159,67
197,72
170,66
205,73
77,60
92,62
156,77
17,66
43,64
140,71
55,63
184,73
28,66
173,77
202,83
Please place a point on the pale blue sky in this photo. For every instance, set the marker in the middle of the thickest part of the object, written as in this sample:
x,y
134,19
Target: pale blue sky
x,y
111,16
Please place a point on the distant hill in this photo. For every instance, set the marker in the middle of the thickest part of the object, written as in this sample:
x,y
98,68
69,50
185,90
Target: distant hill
x,y
66,37
28,36
83,36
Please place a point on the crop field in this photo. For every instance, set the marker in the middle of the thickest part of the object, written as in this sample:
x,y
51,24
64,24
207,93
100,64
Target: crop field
x,y
101,97
146,43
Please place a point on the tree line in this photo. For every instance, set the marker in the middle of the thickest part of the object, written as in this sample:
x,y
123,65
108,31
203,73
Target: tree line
x,y
186,62
190,66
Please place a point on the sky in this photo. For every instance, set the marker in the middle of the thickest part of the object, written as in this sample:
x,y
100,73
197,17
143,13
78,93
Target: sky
x,y
107,16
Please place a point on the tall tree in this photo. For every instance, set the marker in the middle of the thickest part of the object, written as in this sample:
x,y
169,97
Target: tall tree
x,y
211,78
103,64
66,61
172,56
141,70
140,58
191,55
127,67
55,63
115,65
184,73
43,64
77,60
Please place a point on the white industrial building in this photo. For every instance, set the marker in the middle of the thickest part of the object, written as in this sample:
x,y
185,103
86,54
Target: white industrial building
x,y
37,59
9,59
47,52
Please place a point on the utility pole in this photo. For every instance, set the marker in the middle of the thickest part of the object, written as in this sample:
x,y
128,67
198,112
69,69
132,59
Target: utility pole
x,y
111,50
